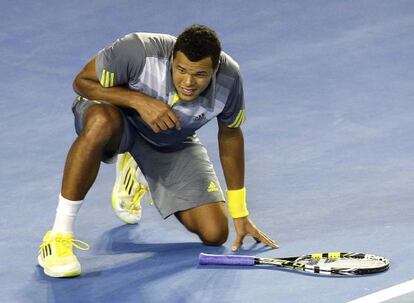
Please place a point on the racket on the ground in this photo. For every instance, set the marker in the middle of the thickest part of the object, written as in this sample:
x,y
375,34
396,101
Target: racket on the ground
x,y
330,263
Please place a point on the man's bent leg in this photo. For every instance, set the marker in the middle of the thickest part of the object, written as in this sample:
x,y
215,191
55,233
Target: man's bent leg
x,y
101,136
208,221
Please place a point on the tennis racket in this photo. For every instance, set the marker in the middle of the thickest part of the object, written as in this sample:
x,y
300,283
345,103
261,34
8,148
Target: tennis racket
x,y
330,263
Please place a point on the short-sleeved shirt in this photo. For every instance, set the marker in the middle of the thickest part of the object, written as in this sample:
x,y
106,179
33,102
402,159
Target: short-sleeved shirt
x,y
143,62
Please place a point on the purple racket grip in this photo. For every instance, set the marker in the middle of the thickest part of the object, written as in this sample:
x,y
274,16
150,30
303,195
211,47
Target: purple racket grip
x,y
207,259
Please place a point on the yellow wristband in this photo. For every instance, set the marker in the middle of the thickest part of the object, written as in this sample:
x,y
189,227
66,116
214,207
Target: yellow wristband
x,y
237,203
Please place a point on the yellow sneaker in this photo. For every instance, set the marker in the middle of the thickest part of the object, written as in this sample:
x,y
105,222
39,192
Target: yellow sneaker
x,y
129,190
56,255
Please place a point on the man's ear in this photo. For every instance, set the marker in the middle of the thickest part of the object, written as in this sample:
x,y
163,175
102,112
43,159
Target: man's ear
x,y
217,67
219,63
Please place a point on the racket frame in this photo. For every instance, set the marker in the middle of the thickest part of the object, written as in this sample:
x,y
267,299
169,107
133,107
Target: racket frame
x,y
296,263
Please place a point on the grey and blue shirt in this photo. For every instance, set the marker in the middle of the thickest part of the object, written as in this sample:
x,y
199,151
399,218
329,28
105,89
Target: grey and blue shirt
x,y
142,62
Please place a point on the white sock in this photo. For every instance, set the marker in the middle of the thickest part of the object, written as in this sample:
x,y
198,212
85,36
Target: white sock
x,y
65,215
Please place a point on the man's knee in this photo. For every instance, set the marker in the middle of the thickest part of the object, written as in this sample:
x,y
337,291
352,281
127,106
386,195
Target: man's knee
x,y
214,235
208,221
102,123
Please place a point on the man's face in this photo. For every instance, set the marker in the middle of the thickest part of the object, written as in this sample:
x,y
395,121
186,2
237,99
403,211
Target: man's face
x,y
191,78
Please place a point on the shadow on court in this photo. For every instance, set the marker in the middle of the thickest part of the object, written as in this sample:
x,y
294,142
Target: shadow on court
x,y
146,265
125,239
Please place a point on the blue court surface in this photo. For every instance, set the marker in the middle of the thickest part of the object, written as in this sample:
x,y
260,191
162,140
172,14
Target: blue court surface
x,y
329,149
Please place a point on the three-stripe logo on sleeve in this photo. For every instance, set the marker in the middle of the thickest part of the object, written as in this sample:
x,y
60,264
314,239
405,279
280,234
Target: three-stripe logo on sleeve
x,y
239,119
107,79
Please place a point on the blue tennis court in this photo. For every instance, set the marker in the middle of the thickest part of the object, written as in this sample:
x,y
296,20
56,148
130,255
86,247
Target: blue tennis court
x,y
329,139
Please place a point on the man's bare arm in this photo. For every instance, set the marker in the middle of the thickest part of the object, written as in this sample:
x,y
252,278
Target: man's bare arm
x,y
231,148
155,113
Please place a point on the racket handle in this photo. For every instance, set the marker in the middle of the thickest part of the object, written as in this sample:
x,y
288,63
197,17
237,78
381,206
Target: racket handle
x,y
207,259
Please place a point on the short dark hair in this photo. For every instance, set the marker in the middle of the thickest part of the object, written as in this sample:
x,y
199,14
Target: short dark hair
x,y
197,42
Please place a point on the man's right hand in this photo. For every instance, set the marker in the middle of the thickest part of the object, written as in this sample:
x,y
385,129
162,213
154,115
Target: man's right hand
x,y
158,115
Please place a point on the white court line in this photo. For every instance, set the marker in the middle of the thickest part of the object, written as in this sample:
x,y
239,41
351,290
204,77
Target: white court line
x,y
387,294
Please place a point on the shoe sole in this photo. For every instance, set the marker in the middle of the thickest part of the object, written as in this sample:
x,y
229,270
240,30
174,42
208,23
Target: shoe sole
x,y
53,274
118,177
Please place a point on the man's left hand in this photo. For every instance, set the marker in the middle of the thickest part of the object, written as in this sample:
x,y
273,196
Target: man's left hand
x,y
244,226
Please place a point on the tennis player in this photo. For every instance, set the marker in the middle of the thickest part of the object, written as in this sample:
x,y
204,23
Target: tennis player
x,y
140,101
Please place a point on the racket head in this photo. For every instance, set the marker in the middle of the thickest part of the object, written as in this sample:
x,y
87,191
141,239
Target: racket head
x,y
333,263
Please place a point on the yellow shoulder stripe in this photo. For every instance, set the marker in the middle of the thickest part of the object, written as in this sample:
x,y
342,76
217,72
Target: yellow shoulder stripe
x,y
107,79
176,98
239,119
